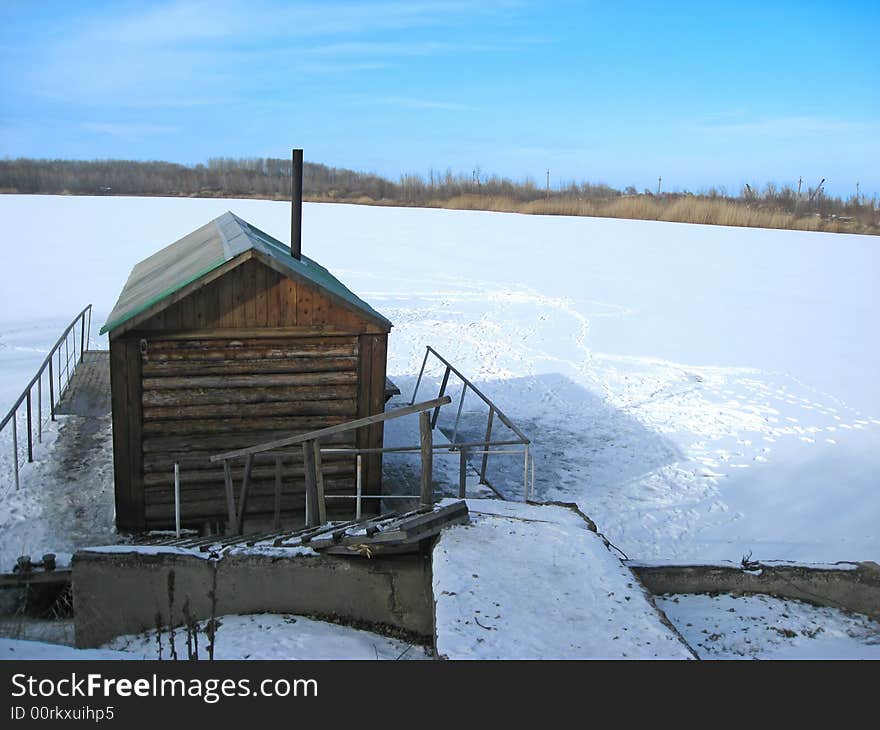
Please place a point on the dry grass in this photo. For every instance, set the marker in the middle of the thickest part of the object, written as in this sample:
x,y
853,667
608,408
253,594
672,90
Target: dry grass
x,y
678,210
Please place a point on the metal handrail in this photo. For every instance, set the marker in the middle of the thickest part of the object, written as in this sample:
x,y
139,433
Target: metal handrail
x,y
55,393
522,439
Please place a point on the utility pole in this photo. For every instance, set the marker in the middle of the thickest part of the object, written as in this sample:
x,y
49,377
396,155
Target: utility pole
x,y
548,184
659,180
858,196
800,182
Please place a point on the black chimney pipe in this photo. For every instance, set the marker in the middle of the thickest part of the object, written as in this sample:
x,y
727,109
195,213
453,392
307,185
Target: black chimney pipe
x,y
296,205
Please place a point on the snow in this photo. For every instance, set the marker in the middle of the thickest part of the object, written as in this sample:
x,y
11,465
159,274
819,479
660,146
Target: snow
x,y
259,636
700,392
277,636
761,627
21,649
533,582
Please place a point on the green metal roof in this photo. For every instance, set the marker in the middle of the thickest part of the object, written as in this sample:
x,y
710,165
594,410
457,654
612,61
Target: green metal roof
x,y
207,248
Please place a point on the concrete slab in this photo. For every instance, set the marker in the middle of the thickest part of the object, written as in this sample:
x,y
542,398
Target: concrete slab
x,y
536,582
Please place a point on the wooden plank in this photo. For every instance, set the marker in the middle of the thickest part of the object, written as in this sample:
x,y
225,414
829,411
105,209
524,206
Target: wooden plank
x,y
134,418
304,297
331,430
148,319
311,480
210,426
121,454
197,455
376,432
260,295
260,471
321,308
347,408
199,345
365,356
319,483
259,488
426,482
267,380
205,396
241,366
184,443
367,322
253,333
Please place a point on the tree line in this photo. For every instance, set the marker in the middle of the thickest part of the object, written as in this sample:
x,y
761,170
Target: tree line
x,y
270,178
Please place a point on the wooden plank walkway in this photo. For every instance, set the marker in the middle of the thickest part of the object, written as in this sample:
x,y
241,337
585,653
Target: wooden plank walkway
x,y
392,533
88,393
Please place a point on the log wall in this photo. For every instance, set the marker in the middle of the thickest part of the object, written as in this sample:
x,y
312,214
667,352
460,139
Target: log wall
x,y
251,357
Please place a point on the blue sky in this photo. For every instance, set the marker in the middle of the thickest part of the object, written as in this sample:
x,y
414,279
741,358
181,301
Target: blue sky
x,y
702,93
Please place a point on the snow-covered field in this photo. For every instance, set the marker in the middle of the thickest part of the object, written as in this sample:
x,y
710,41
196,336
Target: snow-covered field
x,y
761,627
701,392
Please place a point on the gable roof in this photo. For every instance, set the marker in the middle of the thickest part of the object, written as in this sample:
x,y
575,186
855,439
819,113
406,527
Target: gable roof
x,y
199,253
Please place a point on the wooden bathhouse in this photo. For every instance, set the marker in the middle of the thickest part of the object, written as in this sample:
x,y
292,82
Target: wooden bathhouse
x,y
229,338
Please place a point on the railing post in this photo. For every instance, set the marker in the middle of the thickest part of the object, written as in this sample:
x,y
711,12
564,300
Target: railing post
x,y
15,445
526,473
40,409
319,483
486,447
419,379
462,473
51,390
82,340
30,437
426,439
359,488
440,395
311,480
464,388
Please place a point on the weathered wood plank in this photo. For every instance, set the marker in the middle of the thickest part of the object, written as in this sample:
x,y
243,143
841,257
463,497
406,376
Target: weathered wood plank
x,y
241,366
333,430
304,296
121,443
134,417
311,483
210,426
274,346
426,482
194,443
205,396
263,487
246,381
262,469
346,408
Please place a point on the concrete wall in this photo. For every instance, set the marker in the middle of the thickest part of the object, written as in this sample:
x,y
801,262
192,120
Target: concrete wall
x,y
853,586
122,593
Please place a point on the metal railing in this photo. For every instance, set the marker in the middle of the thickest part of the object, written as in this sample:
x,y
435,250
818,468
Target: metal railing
x,y
58,373
486,447
315,504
